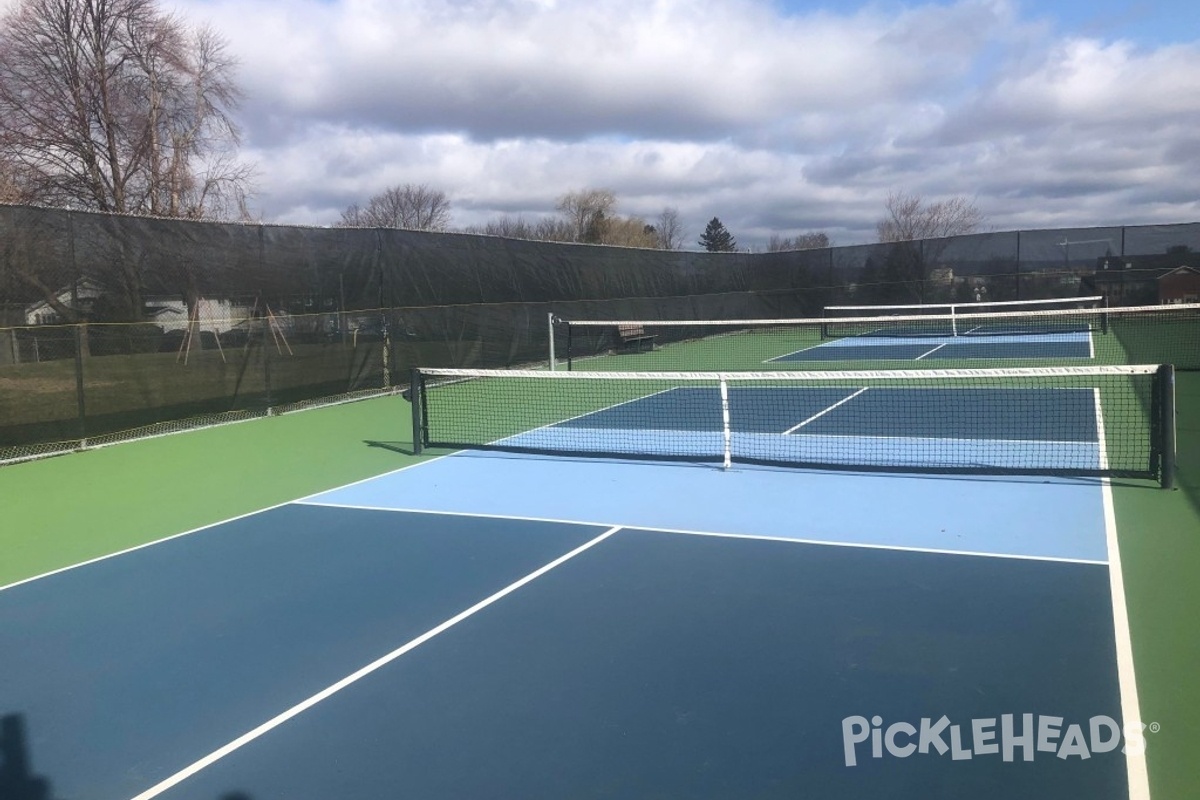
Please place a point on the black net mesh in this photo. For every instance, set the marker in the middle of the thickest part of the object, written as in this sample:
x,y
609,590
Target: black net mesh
x,y
1062,421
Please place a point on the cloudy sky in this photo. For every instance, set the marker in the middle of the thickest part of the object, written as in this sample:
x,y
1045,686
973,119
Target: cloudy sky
x,y
777,116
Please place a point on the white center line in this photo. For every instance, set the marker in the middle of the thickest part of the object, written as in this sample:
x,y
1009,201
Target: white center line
x,y
822,413
934,350
295,710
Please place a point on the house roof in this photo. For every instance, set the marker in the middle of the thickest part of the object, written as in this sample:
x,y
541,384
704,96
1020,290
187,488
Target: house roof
x,y
1177,270
1119,273
82,289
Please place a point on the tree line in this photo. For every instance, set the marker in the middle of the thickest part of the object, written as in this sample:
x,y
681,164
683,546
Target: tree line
x,y
586,216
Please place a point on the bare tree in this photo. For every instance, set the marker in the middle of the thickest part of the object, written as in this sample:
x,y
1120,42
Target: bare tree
x,y
586,212
546,229
196,173
587,216
507,226
11,187
411,206
805,241
917,232
117,106
909,218
553,229
669,229
630,232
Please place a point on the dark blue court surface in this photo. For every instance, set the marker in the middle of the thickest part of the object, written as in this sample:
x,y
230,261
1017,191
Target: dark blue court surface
x,y
667,666
1052,414
129,669
1056,346
651,665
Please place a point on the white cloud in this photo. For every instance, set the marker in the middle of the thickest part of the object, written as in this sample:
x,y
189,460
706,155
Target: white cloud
x,y
719,107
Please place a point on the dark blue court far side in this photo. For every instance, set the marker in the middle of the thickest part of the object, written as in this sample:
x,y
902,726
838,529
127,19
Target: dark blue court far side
x,y
991,414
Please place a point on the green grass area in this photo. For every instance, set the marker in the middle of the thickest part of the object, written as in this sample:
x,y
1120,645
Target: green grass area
x,y
39,401
39,391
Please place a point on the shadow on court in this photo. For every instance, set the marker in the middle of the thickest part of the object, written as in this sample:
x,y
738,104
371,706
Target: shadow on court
x,y
404,448
17,778
17,781
1187,433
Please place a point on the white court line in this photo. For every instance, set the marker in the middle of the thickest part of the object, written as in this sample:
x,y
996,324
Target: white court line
x,y
832,344
934,350
820,414
1135,758
801,350
354,677
970,439
142,546
719,534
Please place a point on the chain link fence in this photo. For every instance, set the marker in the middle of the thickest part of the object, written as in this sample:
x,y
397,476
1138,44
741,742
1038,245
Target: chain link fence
x,y
115,327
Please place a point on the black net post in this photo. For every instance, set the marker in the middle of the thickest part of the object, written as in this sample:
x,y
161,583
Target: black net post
x,y
414,396
1166,389
570,344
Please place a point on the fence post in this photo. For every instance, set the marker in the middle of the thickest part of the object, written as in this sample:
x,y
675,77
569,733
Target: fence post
x,y
266,351
80,332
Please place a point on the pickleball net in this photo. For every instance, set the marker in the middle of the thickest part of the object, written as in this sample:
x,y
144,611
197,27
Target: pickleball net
x,y
982,319
1057,336
1114,421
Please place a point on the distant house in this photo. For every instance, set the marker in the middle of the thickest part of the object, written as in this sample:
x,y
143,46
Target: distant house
x,y
168,313
218,316
1123,285
79,296
1146,280
942,276
1180,285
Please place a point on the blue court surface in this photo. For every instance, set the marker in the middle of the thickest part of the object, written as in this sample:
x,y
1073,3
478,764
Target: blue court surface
x,y
494,625
1070,344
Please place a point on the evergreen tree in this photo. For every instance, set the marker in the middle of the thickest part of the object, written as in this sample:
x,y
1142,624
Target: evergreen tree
x,y
716,239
